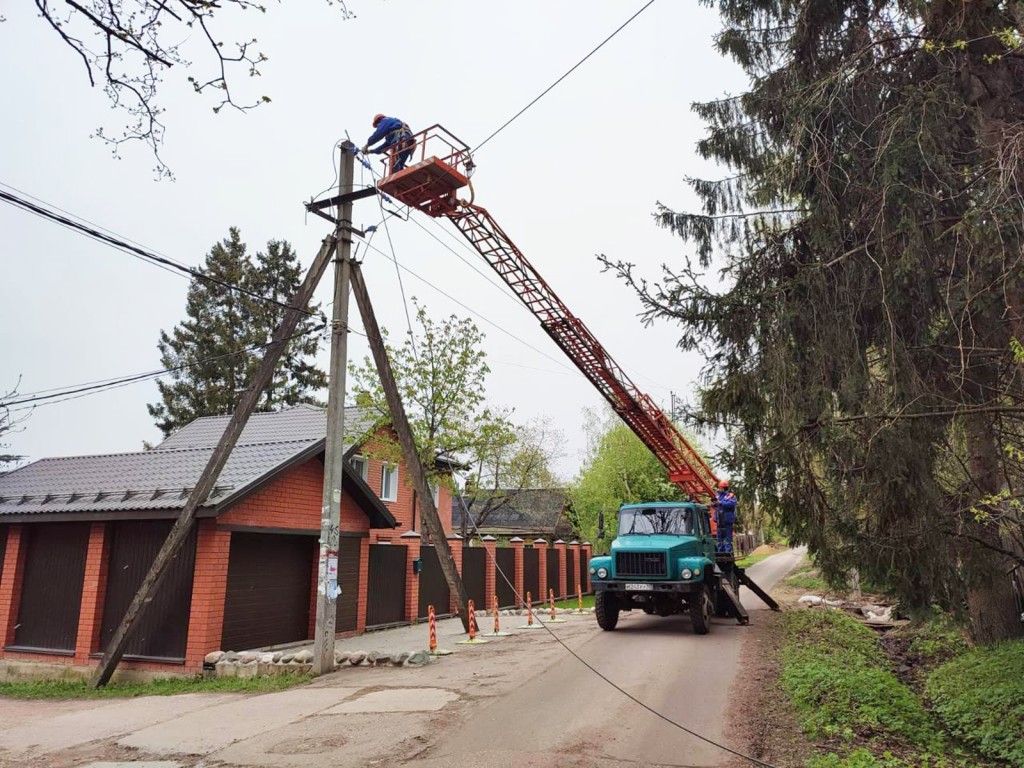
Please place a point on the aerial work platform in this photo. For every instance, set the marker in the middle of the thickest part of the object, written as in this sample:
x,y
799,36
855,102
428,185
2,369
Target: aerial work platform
x,y
440,166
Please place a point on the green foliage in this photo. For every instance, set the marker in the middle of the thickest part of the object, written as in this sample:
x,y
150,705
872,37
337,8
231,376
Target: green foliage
x,y
806,577
864,243
619,469
214,353
840,684
935,638
168,686
979,697
864,758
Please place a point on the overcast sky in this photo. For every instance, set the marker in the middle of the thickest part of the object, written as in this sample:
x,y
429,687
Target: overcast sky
x,y
578,174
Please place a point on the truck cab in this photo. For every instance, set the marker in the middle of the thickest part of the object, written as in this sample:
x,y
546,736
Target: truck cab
x,y
662,561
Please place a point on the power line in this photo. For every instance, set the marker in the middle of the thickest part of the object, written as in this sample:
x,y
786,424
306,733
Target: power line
x,y
133,250
588,665
73,392
574,68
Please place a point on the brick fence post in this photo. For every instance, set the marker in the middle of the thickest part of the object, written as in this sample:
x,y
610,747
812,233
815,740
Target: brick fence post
x,y
455,544
209,589
362,601
517,545
10,583
574,545
588,553
541,545
94,588
490,571
412,542
561,586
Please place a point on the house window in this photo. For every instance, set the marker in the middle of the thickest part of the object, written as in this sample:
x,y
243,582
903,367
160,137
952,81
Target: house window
x,y
360,465
389,482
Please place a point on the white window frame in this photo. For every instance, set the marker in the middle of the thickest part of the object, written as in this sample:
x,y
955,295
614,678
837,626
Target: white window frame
x,y
388,493
361,465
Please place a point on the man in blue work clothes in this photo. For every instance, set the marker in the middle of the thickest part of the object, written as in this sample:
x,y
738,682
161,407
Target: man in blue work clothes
x,y
397,140
725,516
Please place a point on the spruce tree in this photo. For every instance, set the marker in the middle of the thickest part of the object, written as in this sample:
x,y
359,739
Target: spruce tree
x,y
215,351
869,233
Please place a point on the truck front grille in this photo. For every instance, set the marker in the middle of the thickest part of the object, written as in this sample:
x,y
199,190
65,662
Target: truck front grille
x,y
640,564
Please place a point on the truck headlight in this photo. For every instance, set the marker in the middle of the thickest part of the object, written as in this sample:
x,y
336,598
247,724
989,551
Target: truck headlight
x,y
593,571
686,573
602,573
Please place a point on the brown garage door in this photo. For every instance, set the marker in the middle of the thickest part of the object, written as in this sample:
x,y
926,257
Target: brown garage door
x,y
349,554
386,587
163,630
268,595
51,587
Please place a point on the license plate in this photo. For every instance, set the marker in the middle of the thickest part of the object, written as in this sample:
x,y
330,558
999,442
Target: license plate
x,y
639,587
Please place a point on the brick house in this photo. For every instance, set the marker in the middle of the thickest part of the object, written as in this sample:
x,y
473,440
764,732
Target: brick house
x,y
78,534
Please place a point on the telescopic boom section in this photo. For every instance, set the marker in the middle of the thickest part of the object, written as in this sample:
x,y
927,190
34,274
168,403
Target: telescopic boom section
x,y
428,186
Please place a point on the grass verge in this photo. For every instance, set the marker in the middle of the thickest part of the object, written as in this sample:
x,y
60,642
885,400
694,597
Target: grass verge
x,y
979,696
749,560
79,689
588,602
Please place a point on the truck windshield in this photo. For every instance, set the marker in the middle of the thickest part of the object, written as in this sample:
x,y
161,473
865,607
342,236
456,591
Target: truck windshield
x,y
675,521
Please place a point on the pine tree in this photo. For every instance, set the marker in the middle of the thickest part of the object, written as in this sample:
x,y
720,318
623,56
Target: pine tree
x,y
870,239
216,350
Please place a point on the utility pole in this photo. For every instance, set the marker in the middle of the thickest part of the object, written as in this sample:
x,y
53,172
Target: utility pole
x,y
327,589
400,422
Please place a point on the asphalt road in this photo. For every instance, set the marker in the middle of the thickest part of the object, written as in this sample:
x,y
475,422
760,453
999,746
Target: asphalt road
x,y
569,716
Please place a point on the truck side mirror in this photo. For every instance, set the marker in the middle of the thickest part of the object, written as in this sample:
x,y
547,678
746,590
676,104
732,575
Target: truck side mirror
x,y
600,524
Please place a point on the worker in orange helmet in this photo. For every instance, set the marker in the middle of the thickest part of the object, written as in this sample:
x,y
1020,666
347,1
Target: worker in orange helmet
x,y
725,515
397,138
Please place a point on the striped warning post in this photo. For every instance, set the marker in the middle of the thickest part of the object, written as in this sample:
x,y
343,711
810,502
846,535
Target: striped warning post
x,y
551,601
579,601
529,614
432,621
473,639
497,622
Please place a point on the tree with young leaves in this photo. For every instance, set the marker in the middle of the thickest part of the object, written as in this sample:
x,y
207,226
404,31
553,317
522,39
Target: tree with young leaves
x,y
870,240
441,372
618,469
233,310
129,46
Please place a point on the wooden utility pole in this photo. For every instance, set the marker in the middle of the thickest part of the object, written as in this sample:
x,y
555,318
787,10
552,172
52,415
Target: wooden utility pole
x,y
327,589
405,439
179,533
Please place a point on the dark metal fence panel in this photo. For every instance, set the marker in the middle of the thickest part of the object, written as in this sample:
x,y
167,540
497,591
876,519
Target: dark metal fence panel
x,y
269,589
506,557
162,632
349,556
531,573
571,573
434,588
51,586
552,565
386,585
474,569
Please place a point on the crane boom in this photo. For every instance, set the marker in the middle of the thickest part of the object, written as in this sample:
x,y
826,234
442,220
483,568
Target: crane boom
x,y
430,185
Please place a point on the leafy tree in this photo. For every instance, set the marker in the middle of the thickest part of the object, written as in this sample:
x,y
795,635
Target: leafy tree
x,y
128,46
511,459
619,469
214,354
870,238
441,373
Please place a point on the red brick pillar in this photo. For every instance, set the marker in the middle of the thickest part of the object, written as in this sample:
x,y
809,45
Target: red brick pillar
x,y
561,586
588,553
490,571
94,588
10,583
574,545
209,589
455,545
412,541
364,584
541,545
517,545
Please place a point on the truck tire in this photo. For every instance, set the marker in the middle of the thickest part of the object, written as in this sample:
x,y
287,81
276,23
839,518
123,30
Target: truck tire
x,y
606,610
701,607
722,606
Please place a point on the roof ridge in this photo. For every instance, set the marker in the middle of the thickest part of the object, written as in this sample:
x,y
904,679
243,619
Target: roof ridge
x,y
158,451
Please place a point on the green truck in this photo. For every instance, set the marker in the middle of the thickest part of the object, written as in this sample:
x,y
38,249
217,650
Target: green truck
x,y
664,561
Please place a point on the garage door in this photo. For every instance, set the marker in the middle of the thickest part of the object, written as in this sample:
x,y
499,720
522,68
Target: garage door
x,y
386,587
268,594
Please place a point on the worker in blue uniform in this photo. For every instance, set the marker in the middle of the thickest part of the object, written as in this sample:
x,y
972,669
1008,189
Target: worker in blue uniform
x,y
397,138
725,516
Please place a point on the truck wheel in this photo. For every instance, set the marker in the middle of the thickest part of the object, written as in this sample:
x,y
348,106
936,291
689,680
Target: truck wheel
x,y
701,608
606,610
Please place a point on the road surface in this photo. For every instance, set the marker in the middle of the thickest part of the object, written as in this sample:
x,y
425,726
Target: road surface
x,y
520,701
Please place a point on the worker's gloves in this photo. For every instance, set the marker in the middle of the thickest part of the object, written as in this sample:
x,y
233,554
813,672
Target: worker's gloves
x,y
365,149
